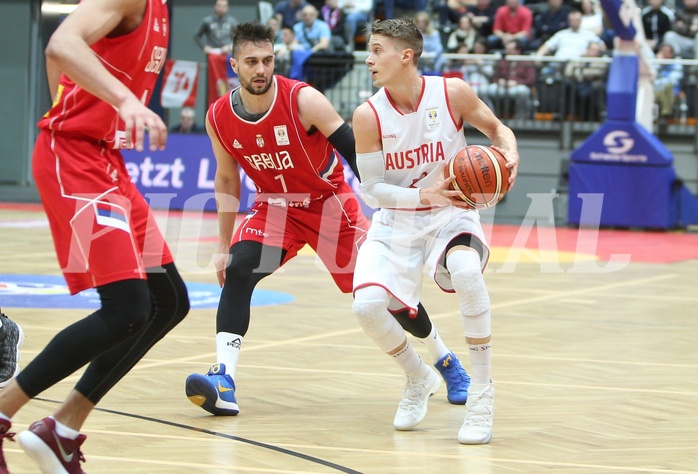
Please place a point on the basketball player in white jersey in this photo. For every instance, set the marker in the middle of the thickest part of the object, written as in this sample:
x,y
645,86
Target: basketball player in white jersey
x,y
405,134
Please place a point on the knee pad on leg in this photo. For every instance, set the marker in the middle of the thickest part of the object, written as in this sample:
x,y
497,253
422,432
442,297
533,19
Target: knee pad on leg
x,y
473,297
379,324
373,316
474,302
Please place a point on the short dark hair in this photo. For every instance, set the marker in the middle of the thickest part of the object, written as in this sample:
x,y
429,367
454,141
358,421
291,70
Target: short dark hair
x,y
252,32
404,31
518,43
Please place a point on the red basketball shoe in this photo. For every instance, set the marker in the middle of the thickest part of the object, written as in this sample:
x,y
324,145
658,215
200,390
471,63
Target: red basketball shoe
x,y
5,426
54,454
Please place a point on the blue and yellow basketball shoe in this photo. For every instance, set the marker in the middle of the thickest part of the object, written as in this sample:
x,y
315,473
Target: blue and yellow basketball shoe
x,y
214,392
456,378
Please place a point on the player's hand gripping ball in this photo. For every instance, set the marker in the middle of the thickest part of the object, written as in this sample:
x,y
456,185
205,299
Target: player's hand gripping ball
x,y
481,175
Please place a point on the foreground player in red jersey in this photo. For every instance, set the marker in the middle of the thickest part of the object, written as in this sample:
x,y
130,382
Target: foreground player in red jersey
x,y
102,64
285,135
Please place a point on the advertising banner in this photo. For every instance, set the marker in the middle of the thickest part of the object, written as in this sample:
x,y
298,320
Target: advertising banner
x,y
181,176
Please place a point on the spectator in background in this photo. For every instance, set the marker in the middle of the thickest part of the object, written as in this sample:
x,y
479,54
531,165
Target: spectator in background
x,y
311,32
454,66
548,22
513,80
398,8
657,20
465,34
274,24
589,82
288,12
431,59
450,11
356,13
570,43
667,85
512,21
331,14
683,37
482,14
592,17
215,33
187,122
477,72
283,52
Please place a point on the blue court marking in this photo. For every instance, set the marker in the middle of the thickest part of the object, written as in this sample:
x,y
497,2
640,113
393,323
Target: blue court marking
x,y
49,291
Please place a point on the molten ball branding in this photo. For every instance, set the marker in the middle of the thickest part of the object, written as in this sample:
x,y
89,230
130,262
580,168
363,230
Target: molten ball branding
x,y
481,176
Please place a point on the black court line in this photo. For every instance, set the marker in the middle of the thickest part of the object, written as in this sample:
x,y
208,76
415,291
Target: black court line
x,y
295,454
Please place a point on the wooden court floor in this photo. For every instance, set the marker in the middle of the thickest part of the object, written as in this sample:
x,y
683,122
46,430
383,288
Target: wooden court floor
x,y
595,369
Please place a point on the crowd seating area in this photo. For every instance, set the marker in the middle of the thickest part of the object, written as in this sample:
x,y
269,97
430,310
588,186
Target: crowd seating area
x,y
554,101
545,70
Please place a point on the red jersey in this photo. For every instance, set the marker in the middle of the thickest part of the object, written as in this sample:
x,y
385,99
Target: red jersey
x,y
79,113
520,20
276,152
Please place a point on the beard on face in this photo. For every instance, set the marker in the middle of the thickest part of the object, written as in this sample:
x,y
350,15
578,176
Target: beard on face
x,y
249,87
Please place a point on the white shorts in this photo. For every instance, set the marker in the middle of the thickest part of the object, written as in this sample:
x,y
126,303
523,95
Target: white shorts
x,y
402,245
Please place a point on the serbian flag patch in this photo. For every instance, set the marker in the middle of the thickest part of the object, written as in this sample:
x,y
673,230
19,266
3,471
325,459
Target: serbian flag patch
x,y
111,216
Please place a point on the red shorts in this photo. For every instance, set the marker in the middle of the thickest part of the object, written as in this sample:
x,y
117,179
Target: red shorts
x,y
102,227
333,226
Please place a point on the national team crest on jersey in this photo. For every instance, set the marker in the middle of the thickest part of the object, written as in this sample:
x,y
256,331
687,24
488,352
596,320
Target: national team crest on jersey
x,y
281,135
433,118
260,141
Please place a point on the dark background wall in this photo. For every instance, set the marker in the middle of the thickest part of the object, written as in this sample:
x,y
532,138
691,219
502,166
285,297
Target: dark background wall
x,y
15,93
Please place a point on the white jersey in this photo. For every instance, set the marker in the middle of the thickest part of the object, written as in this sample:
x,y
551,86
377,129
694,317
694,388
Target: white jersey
x,y
415,145
403,243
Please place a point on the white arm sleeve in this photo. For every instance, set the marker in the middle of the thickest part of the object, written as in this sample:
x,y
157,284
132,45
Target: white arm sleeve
x,y
375,191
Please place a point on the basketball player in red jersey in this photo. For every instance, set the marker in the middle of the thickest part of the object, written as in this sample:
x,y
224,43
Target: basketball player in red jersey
x,y
283,134
422,226
102,64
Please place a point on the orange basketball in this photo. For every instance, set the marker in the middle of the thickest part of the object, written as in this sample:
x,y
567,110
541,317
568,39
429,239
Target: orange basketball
x,y
481,175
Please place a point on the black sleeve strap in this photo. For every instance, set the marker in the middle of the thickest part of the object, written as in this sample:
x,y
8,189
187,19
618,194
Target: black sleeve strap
x,y
343,141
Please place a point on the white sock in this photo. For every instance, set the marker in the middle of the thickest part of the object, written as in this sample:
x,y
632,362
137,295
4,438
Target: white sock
x,y
435,345
228,351
420,372
407,358
480,362
65,432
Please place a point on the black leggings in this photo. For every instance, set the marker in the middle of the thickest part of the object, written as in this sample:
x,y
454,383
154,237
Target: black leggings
x,y
135,314
250,263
